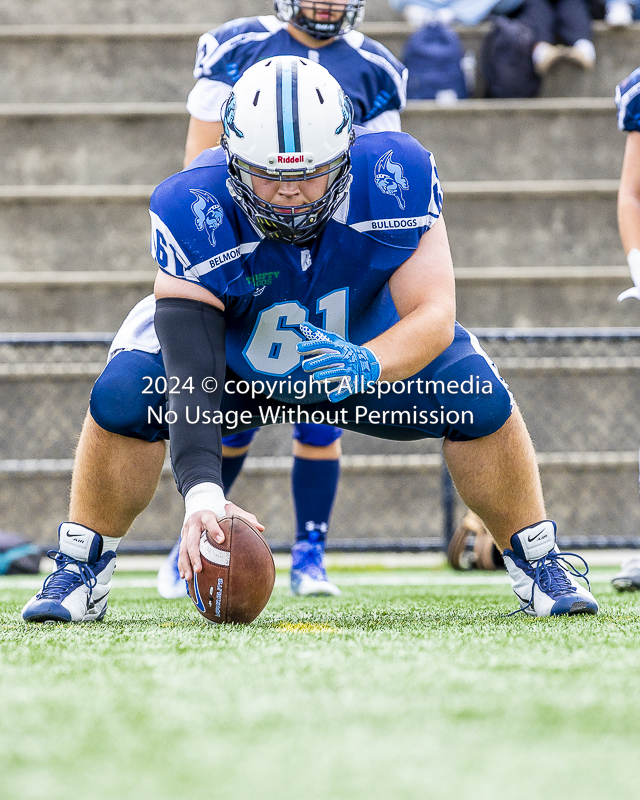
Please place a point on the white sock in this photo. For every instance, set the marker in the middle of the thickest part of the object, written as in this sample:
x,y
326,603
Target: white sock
x,y
540,51
586,46
110,543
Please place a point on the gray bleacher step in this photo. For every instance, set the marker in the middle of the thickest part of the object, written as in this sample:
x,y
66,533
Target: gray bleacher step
x,y
490,223
577,403
114,63
74,228
519,139
70,301
591,495
486,296
413,464
109,143
107,62
527,223
92,143
173,12
543,296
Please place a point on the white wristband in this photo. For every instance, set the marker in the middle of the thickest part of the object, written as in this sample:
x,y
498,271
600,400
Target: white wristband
x,y
204,497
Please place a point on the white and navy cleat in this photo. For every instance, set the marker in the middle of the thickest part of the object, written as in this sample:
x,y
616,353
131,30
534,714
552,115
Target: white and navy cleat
x,y
170,585
542,578
308,575
78,590
628,579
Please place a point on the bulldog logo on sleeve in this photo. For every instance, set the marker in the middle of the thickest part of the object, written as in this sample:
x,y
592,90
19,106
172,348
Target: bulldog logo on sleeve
x,y
208,213
389,178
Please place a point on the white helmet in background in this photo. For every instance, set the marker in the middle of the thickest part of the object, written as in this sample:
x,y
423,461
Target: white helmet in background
x,y
322,20
288,119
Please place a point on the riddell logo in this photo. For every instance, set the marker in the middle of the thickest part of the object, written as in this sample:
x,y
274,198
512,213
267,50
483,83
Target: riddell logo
x,y
290,159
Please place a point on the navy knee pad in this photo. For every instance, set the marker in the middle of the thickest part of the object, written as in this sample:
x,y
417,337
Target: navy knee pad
x,y
316,435
482,411
124,393
241,439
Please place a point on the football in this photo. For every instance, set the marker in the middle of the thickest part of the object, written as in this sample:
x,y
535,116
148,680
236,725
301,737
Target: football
x,y
237,576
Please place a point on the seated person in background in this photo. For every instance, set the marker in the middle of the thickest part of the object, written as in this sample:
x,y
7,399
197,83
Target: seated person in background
x,y
562,29
628,103
621,13
466,12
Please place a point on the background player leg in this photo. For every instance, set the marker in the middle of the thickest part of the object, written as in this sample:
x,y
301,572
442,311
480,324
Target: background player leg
x,y
628,579
497,477
314,482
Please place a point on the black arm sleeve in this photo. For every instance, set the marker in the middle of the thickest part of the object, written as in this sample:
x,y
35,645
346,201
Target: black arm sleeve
x,y
191,335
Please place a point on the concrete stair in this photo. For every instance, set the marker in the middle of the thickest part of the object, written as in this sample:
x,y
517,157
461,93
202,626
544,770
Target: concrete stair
x,y
382,505
583,454
529,189
486,296
546,387
153,62
479,140
490,223
168,12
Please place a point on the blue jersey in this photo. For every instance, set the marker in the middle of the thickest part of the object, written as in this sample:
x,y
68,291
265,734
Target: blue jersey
x,y
628,102
370,75
340,283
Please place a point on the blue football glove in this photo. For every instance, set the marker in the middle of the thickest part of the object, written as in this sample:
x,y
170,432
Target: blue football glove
x,y
331,358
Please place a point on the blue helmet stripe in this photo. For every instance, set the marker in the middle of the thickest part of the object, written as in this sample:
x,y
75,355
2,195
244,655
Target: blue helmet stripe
x,y
294,108
287,108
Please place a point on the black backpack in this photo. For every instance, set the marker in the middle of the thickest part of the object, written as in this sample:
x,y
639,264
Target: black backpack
x,y
506,60
17,555
433,55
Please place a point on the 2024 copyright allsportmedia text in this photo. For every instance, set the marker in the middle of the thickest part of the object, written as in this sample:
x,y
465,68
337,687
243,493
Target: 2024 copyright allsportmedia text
x,y
271,414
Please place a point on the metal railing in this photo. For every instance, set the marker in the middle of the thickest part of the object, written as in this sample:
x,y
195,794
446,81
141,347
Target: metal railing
x,y
523,350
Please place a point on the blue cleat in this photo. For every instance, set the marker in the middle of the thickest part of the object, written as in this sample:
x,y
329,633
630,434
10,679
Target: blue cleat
x,y
542,578
308,575
170,585
78,589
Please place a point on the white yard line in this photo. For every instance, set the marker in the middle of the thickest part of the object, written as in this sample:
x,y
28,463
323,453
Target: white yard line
x,y
368,579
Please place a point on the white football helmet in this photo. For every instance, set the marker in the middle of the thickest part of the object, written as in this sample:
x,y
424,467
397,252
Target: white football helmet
x,y
287,119
322,20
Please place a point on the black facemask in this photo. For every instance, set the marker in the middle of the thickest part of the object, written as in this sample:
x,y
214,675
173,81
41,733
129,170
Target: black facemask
x,y
350,16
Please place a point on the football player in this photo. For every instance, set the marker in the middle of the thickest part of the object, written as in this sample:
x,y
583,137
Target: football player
x,y
324,32
357,331
376,84
628,104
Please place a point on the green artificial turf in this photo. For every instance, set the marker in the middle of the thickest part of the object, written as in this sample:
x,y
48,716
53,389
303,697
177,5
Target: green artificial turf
x,y
405,691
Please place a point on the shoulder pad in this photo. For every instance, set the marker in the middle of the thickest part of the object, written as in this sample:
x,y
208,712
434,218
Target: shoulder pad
x,y
377,48
196,231
396,194
218,49
628,102
236,27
